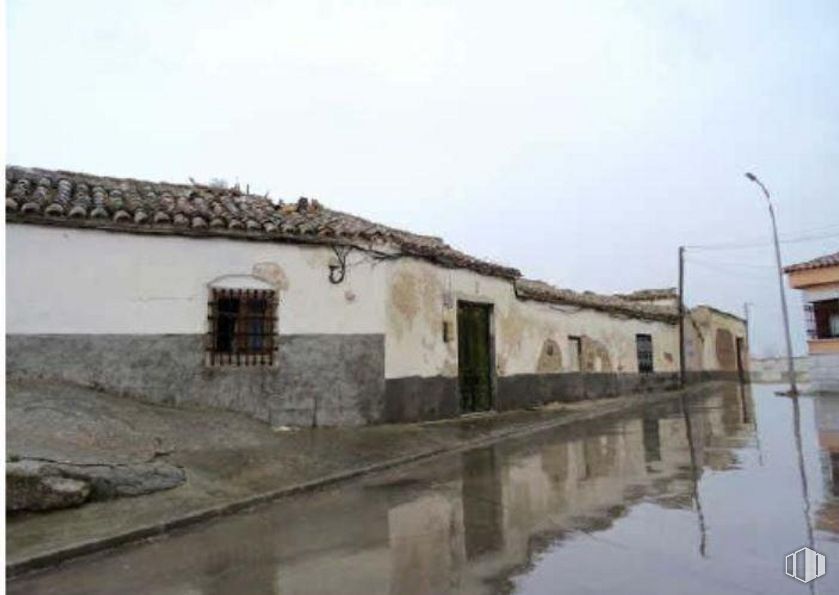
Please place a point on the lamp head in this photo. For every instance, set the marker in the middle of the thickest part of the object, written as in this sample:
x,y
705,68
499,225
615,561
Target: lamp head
x,y
751,176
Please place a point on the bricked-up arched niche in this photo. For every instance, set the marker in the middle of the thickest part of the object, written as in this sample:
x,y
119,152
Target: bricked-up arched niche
x,y
596,356
550,359
726,355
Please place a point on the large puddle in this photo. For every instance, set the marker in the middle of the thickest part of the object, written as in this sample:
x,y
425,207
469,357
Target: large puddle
x,y
707,499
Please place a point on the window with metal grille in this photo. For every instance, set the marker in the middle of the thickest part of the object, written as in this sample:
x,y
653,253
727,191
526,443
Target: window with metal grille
x,y
242,327
823,319
644,348
810,320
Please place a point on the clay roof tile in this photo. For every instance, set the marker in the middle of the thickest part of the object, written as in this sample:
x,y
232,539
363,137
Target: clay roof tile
x,y
828,260
91,201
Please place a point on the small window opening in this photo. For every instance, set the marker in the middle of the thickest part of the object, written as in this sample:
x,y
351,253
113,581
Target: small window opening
x,y
823,319
644,348
242,327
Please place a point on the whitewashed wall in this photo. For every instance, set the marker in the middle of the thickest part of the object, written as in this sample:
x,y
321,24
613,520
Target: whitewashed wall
x,y
63,280
421,296
822,293
94,282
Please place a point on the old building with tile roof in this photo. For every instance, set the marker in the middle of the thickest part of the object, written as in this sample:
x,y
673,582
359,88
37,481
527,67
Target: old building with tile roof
x,y
294,313
821,262
541,291
81,200
818,281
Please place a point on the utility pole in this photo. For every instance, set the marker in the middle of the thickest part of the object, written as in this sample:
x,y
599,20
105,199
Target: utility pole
x,y
746,313
793,389
748,335
744,359
682,316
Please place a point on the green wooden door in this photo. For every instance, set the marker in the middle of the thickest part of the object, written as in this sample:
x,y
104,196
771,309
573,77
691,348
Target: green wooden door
x,y
474,355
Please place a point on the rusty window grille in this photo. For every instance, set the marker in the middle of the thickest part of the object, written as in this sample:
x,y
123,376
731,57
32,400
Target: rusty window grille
x,y
242,327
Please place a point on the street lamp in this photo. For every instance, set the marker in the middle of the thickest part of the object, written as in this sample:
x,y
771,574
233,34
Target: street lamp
x,y
793,390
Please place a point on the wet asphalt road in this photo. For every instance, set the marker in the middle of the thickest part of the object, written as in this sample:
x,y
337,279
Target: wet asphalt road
x,y
707,500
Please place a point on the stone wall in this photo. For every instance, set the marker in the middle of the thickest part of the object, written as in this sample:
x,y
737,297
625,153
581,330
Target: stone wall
x,y
318,379
774,369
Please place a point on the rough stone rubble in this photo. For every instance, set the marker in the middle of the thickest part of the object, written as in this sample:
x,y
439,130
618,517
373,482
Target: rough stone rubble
x,y
38,485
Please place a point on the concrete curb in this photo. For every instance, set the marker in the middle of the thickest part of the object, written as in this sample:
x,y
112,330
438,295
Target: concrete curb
x,y
27,565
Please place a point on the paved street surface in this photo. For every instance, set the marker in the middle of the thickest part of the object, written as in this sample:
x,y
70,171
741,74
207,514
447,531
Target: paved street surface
x,y
656,501
229,459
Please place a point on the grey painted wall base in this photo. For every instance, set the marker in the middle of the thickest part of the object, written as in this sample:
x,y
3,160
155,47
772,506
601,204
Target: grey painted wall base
x,y
697,376
319,380
421,399
322,380
430,398
531,390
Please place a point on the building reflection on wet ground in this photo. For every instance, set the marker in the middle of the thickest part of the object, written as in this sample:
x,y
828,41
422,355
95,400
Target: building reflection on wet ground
x,y
700,497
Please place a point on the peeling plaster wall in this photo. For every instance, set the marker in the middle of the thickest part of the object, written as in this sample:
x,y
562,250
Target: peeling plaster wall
x,y
421,297
711,340
608,342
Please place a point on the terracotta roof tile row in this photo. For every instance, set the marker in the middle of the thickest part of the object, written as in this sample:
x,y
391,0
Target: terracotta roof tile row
x,y
643,295
83,200
828,260
544,292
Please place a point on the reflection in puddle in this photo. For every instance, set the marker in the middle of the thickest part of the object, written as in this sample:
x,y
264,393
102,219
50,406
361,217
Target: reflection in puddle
x,y
700,498
827,423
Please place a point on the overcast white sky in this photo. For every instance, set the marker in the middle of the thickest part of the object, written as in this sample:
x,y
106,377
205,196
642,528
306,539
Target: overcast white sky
x,y
581,142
